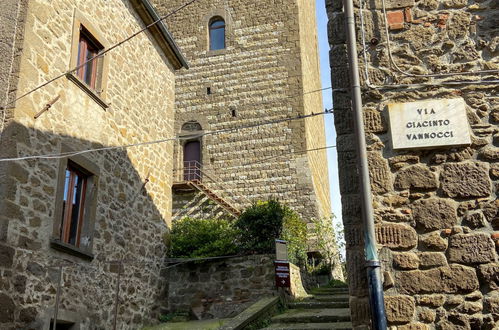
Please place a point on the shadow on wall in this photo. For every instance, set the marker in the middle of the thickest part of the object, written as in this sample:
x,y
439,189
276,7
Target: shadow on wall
x,y
112,217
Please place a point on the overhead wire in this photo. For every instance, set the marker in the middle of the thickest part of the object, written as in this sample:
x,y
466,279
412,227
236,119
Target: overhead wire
x,y
101,53
177,138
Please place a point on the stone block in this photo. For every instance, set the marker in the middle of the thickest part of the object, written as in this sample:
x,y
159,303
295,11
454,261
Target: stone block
x,y
406,261
359,308
475,248
399,309
434,300
396,236
466,180
343,121
349,179
492,304
374,122
7,310
395,19
455,279
427,315
434,213
28,315
431,260
415,177
489,274
474,220
413,326
433,241
340,77
6,256
379,173
336,29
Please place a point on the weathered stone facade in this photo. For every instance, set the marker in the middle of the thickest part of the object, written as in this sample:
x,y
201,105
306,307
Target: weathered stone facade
x,y
266,72
436,210
131,189
220,288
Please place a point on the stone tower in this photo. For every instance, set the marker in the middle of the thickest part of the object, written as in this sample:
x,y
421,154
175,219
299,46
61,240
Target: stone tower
x,y
435,202
261,71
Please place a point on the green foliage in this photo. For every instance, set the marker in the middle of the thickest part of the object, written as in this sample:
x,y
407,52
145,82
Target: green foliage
x,y
294,231
263,222
260,225
194,238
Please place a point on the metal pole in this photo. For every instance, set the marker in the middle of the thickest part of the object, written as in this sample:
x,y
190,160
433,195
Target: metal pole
x,y
373,265
57,298
117,301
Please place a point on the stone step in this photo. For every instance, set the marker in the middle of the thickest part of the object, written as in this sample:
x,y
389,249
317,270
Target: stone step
x,y
324,292
313,304
311,326
331,290
331,298
313,316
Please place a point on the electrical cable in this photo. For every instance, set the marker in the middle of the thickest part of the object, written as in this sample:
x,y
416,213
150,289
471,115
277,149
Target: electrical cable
x,y
102,52
413,85
177,138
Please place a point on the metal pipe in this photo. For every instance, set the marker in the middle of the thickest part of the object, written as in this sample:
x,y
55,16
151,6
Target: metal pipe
x,y
373,265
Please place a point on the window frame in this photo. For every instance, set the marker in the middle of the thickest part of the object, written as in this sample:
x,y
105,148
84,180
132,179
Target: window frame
x,y
86,225
212,21
98,90
208,18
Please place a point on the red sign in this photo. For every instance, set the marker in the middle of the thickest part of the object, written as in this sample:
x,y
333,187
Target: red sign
x,y
282,274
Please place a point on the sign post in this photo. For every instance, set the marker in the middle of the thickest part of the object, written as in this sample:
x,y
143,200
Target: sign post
x,y
282,274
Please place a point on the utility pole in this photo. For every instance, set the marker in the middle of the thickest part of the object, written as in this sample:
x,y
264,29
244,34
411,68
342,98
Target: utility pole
x,y
373,265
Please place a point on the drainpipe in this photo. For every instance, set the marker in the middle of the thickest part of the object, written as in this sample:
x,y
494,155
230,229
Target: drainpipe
x,y
373,265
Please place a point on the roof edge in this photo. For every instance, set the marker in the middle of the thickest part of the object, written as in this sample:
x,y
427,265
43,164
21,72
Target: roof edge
x,y
159,31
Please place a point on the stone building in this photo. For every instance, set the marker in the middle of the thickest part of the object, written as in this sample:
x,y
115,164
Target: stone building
x,y
436,208
120,199
250,62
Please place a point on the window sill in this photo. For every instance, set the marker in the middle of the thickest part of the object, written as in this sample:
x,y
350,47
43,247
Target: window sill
x,y
217,52
70,249
87,90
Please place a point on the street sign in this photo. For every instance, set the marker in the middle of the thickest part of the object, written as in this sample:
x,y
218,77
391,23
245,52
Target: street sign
x,y
282,274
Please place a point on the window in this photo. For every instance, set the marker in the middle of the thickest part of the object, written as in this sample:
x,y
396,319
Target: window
x,y
217,33
73,205
88,48
88,42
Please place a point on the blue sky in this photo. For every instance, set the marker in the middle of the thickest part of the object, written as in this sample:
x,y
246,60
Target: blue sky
x,y
328,103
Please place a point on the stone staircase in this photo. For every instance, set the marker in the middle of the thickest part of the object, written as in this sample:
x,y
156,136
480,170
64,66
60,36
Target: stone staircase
x,y
327,309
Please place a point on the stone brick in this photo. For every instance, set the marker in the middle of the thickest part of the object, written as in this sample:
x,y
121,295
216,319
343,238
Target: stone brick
x,y
452,279
374,121
359,308
431,259
396,236
433,241
434,213
471,248
466,180
413,326
28,315
379,173
427,315
489,274
474,220
415,177
405,261
399,308
435,300
7,310
492,304
6,256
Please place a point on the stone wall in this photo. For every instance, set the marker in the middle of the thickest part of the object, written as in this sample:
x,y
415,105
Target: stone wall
x,y
260,76
435,209
133,190
220,288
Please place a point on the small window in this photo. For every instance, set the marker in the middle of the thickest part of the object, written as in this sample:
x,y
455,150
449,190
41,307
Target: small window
x,y
73,205
217,33
88,48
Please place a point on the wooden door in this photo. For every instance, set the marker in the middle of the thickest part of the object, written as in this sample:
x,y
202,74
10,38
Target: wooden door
x,y
192,161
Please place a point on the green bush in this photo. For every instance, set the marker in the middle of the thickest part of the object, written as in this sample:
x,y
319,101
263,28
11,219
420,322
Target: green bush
x,y
195,238
263,222
259,226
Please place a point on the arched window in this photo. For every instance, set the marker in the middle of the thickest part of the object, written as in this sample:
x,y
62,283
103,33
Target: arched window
x,y
217,33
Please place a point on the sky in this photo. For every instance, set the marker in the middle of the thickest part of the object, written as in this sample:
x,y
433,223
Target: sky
x,y
328,103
